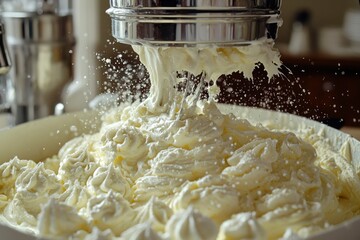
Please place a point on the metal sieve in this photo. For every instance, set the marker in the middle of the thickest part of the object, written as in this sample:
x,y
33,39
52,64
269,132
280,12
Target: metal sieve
x,y
194,22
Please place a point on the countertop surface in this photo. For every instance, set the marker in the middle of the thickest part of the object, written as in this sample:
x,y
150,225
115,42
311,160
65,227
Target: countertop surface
x,y
353,131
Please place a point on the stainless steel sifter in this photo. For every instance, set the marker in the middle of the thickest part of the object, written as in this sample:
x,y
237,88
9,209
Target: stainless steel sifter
x,y
194,22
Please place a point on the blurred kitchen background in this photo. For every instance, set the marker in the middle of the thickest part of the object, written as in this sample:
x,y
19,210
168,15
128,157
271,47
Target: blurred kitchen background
x,y
319,42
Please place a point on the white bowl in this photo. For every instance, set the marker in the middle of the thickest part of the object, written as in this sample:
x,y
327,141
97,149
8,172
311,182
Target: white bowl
x,y
43,138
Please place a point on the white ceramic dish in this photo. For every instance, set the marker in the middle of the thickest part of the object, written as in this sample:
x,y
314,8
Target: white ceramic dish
x,y
43,138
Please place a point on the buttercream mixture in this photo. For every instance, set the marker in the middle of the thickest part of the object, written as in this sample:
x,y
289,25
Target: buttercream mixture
x,y
175,167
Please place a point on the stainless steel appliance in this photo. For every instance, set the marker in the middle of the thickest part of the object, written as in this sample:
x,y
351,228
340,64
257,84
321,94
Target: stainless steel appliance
x,y
5,65
4,55
40,39
194,22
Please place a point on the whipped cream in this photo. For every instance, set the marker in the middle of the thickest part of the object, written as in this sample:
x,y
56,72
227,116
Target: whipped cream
x,y
150,174
163,63
189,224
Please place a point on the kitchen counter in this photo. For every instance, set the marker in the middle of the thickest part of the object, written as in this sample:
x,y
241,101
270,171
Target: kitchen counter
x,y
353,131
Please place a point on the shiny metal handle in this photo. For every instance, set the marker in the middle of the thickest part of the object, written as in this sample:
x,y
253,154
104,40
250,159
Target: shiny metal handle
x,y
5,63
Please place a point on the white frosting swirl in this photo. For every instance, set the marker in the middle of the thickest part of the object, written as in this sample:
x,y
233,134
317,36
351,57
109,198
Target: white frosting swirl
x,y
75,195
242,226
156,212
188,164
39,180
191,224
111,211
33,188
96,234
57,219
9,171
158,186
76,160
16,212
142,231
211,196
110,178
126,142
